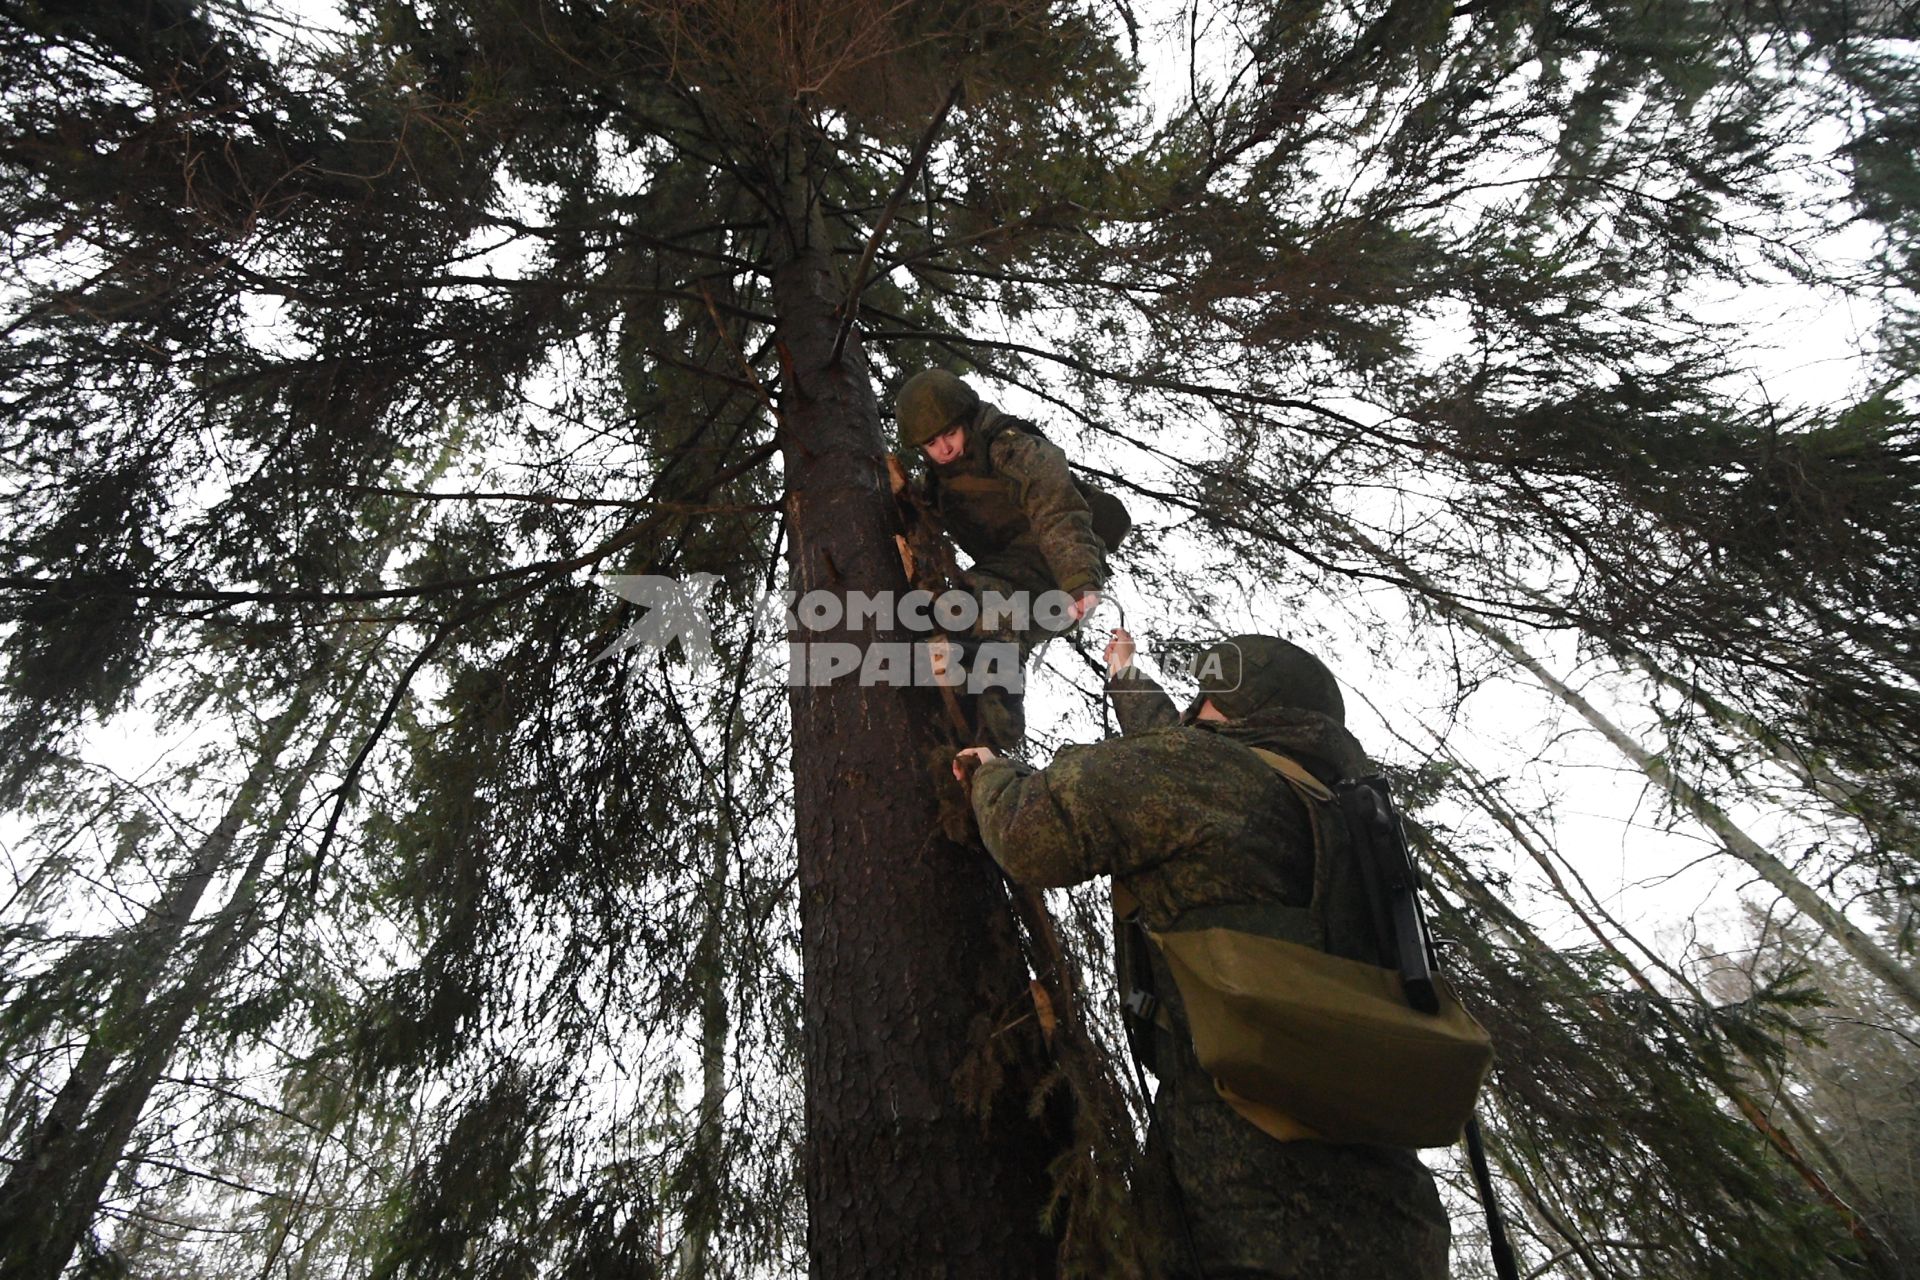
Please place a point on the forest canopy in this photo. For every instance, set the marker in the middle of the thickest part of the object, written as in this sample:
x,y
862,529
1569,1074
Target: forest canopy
x,y
362,920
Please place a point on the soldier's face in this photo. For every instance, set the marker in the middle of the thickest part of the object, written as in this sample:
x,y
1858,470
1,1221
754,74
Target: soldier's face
x,y
947,446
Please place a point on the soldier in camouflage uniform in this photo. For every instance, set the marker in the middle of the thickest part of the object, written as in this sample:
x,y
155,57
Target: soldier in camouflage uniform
x,y
1184,816
1007,498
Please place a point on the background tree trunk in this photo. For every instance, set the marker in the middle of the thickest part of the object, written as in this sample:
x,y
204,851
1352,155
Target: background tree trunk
x,y
44,1207
1857,943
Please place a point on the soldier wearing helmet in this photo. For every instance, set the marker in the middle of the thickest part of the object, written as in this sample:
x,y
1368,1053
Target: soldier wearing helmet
x,y
1006,496
1191,822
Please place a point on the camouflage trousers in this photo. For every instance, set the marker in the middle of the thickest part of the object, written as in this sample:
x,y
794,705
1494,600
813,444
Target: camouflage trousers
x,y
1247,1207
1001,713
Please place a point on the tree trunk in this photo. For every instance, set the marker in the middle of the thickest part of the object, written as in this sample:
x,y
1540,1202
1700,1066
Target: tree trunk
x,y
702,1215
97,1149
61,1191
720,836
1847,797
1853,939
35,1219
51,1194
911,972
1879,1258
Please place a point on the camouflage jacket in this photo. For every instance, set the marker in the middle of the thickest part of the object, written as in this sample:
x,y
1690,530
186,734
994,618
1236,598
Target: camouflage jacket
x,y
1185,816
1011,503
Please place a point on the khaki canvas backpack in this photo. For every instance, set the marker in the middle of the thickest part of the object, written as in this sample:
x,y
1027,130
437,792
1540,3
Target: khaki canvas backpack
x,y
1307,1043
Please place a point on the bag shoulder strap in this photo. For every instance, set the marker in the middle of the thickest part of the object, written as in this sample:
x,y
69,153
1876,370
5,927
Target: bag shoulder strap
x,y
1297,774
1308,926
1315,796
1304,925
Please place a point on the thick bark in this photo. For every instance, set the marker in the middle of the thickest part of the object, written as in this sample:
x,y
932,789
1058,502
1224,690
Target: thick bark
x,y
905,937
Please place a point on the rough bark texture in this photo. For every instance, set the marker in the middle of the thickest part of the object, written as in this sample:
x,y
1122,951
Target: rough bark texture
x,y
912,975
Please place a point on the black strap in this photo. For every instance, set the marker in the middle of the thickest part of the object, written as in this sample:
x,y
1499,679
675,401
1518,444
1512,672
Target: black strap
x,y
1393,882
1504,1264
1139,993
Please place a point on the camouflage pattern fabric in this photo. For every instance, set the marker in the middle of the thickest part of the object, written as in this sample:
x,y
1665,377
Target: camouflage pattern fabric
x,y
1185,817
1002,713
1245,674
1011,504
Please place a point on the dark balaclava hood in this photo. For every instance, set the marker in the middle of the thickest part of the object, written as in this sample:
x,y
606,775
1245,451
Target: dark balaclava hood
x,y
1277,695
1247,675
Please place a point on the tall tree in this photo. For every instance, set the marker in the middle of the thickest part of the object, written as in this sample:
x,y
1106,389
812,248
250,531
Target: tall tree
x,y
1421,270
1854,1067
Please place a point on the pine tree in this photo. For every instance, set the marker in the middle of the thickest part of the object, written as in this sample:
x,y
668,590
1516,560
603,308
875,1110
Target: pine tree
x,y
661,263
1853,1068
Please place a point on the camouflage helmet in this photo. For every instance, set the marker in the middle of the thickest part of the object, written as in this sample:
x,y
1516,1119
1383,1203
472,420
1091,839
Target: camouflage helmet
x,y
1245,675
930,402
